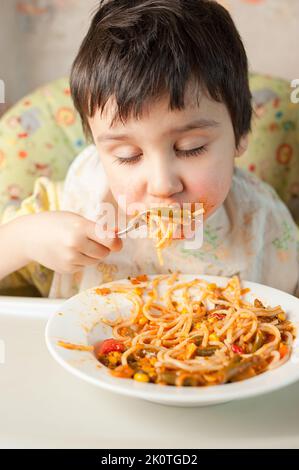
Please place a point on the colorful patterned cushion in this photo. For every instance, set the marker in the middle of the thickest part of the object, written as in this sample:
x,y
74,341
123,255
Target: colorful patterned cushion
x,y
273,152
39,136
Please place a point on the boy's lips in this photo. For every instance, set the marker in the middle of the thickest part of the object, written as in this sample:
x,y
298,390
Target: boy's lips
x,y
164,204
192,206
181,204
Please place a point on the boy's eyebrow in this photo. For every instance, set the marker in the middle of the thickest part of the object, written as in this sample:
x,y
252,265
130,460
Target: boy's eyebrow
x,y
198,124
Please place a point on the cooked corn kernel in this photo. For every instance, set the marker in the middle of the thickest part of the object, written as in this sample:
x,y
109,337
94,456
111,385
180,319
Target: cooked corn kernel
x,y
142,321
197,325
138,290
212,286
190,349
213,337
140,377
114,357
281,316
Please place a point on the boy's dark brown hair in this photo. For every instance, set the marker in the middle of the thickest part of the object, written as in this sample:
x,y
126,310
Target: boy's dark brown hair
x,y
140,50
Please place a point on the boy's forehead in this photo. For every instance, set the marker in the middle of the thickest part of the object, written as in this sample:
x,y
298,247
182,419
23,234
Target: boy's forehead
x,y
197,107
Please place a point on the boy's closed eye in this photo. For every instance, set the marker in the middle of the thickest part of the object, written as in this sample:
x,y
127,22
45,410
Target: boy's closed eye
x,y
180,153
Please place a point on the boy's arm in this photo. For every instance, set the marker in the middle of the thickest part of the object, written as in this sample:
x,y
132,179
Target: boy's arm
x,y
11,247
17,274
50,240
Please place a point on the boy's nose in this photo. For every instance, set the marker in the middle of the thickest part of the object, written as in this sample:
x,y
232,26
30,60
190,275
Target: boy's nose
x,y
163,182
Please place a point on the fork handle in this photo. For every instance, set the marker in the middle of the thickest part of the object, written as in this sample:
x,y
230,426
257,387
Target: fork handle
x,y
125,230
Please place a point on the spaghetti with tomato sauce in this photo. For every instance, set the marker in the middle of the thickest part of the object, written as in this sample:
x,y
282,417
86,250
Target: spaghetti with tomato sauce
x,y
211,337
166,223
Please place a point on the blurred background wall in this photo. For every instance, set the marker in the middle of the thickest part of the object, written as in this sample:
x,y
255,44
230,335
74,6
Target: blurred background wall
x,y
39,38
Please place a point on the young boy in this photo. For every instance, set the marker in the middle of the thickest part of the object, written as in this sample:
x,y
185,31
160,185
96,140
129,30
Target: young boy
x,y
162,88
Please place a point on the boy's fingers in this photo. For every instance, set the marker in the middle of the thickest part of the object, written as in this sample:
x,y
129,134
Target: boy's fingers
x,y
107,238
83,260
94,250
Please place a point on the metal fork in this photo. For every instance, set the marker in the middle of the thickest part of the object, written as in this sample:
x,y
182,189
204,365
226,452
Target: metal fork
x,y
136,221
133,223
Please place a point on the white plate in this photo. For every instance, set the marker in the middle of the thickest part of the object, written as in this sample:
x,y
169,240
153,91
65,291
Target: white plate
x,y
78,321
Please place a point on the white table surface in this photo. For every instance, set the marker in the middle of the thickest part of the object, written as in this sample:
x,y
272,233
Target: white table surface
x,y
44,406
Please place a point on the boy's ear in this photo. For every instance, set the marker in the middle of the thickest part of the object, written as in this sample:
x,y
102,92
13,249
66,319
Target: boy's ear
x,y
242,147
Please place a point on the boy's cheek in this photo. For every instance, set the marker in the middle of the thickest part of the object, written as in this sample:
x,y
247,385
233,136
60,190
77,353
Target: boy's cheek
x,y
210,192
128,196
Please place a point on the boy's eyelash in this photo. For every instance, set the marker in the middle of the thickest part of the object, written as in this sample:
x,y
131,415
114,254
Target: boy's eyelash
x,y
192,152
127,160
182,153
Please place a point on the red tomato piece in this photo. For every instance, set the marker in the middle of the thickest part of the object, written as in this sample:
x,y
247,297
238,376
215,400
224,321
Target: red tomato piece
x,y
237,349
109,345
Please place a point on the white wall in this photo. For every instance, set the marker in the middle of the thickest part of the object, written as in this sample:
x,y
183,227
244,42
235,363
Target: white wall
x,y
39,38
9,49
270,31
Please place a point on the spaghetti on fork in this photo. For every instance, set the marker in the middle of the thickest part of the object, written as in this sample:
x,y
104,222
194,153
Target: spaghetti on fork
x,y
165,223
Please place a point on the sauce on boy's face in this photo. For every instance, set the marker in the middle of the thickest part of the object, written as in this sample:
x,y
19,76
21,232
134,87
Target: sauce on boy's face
x,y
167,157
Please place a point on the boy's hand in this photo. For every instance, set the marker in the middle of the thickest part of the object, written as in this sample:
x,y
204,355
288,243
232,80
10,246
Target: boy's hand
x,y
63,241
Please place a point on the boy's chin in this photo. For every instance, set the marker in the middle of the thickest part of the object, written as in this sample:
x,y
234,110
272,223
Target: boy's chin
x,y
209,211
